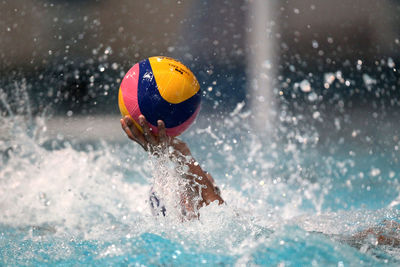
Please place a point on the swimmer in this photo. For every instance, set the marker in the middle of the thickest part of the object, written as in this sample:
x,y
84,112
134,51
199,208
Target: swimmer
x,y
193,198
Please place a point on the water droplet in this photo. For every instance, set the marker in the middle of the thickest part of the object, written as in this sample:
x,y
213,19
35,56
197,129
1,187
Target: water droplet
x,y
108,50
329,78
314,44
368,80
390,63
312,96
316,115
305,86
375,172
359,64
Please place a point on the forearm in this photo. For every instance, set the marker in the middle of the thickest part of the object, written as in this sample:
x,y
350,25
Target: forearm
x,y
198,176
195,174
200,185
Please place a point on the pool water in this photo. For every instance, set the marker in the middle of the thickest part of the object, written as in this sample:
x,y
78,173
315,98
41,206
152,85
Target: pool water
x,y
290,201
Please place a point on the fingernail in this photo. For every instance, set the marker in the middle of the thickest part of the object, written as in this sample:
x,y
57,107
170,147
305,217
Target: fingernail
x,y
141,121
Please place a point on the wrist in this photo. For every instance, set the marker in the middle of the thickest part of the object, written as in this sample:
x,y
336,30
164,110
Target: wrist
x,y
180,147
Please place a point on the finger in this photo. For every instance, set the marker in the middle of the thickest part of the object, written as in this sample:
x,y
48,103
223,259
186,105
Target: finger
x,y
135,131
146,130
162,134
127,130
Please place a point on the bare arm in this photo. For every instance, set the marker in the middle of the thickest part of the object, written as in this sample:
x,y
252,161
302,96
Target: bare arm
x,y
209,193
151,142
386,234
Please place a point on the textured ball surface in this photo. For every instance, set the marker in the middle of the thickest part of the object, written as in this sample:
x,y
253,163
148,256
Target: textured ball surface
x,y
160,88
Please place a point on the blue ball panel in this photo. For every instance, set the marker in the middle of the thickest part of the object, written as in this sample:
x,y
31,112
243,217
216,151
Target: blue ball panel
x,y
154,107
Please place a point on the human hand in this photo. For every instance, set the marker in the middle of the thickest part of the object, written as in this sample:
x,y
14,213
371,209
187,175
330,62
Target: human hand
x,y
148,140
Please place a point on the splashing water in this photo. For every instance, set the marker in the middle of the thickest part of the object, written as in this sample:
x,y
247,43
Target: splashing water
x,y
288,200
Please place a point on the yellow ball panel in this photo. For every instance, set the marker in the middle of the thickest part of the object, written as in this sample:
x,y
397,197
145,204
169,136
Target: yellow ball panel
x,y
124,110
175,81
121,104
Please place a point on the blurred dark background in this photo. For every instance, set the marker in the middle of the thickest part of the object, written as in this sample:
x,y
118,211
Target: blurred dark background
x,y
327,57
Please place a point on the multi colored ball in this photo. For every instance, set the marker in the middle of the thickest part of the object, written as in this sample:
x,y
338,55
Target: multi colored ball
x,y
160,88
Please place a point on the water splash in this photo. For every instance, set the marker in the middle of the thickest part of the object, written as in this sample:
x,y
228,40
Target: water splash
x,y
73,200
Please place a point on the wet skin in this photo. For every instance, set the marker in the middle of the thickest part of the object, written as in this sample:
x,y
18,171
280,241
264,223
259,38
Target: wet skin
x,y
386,234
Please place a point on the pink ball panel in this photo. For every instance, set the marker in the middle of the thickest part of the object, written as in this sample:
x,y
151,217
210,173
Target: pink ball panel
x,y
175,131
129,88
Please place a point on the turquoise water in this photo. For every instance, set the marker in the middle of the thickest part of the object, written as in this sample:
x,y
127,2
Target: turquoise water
x,y
291,201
